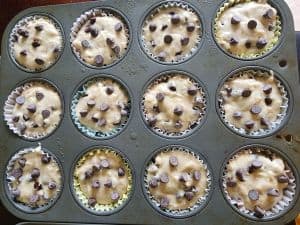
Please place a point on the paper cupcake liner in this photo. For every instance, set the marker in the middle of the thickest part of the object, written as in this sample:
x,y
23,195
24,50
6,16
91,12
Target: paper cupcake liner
x,y
84,18
10,104
101,208
280,117
10,179
165,5
90,132
201,200
288,193
267,49
23,22
193,126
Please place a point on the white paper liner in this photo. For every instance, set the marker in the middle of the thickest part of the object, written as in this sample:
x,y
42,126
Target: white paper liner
x,y
165,5
23,22
98,208
10,104
289,192
280,117
195,124
88,131
10,179
200,201
84,18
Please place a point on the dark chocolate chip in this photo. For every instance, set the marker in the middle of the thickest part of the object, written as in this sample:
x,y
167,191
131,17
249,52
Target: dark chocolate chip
x,y
46,158
35,125
273,192
39,95
197,175
259,212
99,60
268,14
39,27
101,122
116,49
164,178
153,182
23,33
91,103
108,183
173,161
175,19
156,109
168,39
256,164
249,124
83,113
192,90
22,162
231,183
178,124
255,110
178,110
248,44
96,167
93,20
22,127
34,199
164,202
15,38
20,100
237,115
261,43
92,201
104,163
46,113
264,122
109,90
184,177
37,186
56,50
268,101
96,184
23,53
152,121
35,173
246,93
118,27
165,26
26,117
36,43
16,119
110,42
190,27
89,173
228,91
124,112
267,89
233,41
189,195
52,185
162,56
178,53
115,196
152,27
184,41
39,61
160,97
85,44
17,173
121,172
271,28
172,87
252,24
15,194
104,107
94,32
240,175
283,179
235,20
31,108
253,195
88,29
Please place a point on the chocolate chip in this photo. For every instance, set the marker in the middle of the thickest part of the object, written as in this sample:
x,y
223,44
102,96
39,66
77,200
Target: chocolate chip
x,y
273,192
249,124
35,125
256,164
46,113
92,201
14,38
17,173
116,49
190,27
192,90
268,101
15,193
197,175
104,163
104,107
39,95
172,87
118,27
152,121
26,117
253,195
34,199
240,175
108,183
246,93
99,60
184,41
283,179
110,42
23,33
31,108
36,43
168,39
175,19
178,124
160,97
268,14
178,110
37,186
22,162
88,29
173,161
152,27
124,112
23,53
237,115
91,103
164,178
271,28
156,109
178,53
93,20
39,61
184,177
255,110
248,44
15,119
165,26
96,167
83,113
39,27
46,158
231,183
235,20
94,32
252,24
52,185
109,90
164,202
267,89
22,127
233,41
20,100
189,195
101,122
96,184
153,182
259,212
261,43
264,122
121,172
85,44
162,56
35,173
115,196
89,173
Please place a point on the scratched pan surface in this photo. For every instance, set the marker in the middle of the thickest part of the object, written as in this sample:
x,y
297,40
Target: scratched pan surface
x,y
213,140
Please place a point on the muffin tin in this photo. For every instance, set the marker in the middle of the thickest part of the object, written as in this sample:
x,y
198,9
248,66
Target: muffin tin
x,y
213,140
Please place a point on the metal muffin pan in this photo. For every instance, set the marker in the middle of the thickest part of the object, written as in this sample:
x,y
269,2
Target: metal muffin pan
x,y
213,140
